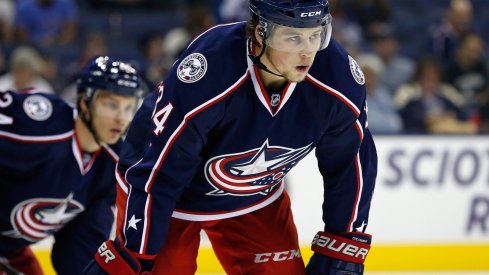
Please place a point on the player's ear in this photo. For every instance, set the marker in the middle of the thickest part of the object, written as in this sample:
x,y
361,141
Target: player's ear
x,y
82,104
258,38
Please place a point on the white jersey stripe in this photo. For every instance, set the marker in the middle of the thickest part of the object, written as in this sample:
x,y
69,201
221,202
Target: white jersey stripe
x,y
77,154
260,91
120,181
359,193
343,98
34,139
111,152
289,92
204,217
228,24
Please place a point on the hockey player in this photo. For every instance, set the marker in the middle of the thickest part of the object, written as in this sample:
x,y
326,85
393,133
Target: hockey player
x,y
243,105
57,166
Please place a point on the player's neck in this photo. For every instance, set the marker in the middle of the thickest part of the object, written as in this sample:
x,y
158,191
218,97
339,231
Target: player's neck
x,y
269,80
85,137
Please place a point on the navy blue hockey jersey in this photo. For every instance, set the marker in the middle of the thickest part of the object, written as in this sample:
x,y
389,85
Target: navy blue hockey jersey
x,y
46,185
213,143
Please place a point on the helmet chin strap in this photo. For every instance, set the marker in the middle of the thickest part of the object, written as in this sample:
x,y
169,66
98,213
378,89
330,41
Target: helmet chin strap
x,y
87,120
257,62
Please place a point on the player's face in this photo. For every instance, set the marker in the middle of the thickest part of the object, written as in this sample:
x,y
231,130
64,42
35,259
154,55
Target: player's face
x,y
293,66
111,116
290,52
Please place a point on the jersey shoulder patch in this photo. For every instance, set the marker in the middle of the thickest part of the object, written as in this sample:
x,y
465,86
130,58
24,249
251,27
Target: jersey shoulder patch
x,y
37,107
192,68
356,71
335,68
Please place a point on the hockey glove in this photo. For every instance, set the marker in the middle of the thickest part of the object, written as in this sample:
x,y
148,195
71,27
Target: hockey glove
x,y
338,255
111,258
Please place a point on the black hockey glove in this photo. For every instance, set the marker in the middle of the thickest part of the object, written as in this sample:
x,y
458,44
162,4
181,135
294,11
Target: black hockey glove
x,y
111,258
338,255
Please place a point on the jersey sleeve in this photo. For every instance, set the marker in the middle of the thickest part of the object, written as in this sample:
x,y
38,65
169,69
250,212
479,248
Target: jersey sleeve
x,y
77,242
27,119
163,151
347,158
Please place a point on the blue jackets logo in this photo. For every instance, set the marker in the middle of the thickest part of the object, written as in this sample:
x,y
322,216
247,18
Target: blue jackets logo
x,y
36,219
252,172
192,68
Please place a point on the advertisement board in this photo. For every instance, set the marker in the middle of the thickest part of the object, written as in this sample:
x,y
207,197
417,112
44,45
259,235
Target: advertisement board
x,y
431,200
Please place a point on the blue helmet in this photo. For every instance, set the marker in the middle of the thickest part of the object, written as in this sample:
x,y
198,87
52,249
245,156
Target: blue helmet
x,y
105,73
293,13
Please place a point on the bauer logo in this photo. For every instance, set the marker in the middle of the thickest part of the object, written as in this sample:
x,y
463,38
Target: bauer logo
x,y
192,68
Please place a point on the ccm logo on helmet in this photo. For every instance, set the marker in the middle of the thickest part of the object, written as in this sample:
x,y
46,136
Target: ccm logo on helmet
x,y
309,14
337,246
105,252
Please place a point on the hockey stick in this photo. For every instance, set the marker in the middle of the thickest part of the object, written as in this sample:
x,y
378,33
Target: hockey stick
x,y
8,269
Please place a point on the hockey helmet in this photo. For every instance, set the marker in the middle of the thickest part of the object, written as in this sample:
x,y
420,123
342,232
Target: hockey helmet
x,y
311,15
105,73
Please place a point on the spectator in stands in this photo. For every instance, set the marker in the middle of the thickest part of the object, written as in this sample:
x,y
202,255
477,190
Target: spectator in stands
x,y
26,66
383,117
398,69
94,44
484,117
50,72
3,66
198,18
369,14
428,105
231,10
155,63
6,20
456,22
116,4
345,30
46,22
468,71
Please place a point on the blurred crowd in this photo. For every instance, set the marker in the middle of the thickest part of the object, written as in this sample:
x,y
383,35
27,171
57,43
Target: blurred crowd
x,y
425,62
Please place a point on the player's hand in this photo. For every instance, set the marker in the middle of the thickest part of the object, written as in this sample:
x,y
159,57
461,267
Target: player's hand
x,y
338,255
113,259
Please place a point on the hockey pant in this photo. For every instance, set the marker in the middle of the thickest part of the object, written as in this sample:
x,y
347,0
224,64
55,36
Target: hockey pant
x,y
261,242
24,261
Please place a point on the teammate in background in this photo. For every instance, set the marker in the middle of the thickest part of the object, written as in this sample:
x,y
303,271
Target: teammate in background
x,y
209,151
57,166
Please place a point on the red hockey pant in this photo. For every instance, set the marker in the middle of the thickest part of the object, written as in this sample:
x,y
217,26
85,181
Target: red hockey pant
x,y
261,242
25,261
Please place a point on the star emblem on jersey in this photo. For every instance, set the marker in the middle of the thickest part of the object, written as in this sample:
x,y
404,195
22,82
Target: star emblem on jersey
x,y
36,219
256,171
192,68
132,223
